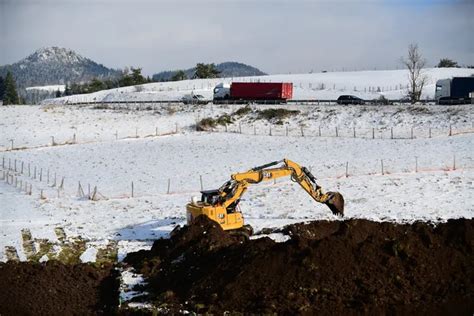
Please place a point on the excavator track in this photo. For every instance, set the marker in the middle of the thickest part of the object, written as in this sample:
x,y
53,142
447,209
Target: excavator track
x,y
243,233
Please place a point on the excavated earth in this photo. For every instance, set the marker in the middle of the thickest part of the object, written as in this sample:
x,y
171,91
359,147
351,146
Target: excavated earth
x,y
340,267
57,289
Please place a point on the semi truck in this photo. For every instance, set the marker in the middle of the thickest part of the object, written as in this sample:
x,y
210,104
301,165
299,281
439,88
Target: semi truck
x,y
457,90
264,92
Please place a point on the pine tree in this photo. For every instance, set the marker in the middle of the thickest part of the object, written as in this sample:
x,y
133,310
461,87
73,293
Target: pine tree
x,y
206,71
179,75
447,63
137,77
2,87
10,95
67,89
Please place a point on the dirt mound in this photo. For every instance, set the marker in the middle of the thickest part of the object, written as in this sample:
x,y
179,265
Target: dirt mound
x,y
57,289
346,267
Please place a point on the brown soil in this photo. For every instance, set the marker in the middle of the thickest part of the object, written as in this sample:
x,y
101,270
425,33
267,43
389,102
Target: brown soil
x,y
57,289
342,267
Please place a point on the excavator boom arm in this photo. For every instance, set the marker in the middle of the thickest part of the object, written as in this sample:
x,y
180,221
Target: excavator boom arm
x,y
232,191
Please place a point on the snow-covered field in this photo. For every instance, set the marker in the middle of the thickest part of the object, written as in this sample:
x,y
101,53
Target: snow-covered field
x,y
424,178
324,86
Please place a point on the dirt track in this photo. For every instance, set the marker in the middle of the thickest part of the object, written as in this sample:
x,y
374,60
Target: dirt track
x,y
354,266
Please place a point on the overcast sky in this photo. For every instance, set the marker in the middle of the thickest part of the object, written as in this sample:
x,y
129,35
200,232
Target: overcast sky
x,y
275,36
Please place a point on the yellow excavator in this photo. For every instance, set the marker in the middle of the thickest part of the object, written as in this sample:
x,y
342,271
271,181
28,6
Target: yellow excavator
x,y
221,205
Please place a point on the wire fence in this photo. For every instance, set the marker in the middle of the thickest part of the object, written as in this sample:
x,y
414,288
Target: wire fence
x,y
260,129
46,183
403,132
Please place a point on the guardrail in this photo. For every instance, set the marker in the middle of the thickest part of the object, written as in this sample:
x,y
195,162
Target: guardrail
x,y
308,102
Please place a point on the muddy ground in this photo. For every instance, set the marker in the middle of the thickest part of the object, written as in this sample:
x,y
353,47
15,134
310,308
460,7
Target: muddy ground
x,y
340,267
57,289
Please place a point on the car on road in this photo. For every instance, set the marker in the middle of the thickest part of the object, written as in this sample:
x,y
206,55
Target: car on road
x,y
349,99
194,99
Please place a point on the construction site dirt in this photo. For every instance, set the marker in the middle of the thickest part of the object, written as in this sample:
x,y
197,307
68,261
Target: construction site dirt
x,y
57,289
353,266
327,267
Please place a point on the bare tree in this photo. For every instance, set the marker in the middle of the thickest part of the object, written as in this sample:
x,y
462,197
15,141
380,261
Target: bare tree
x,y
417,79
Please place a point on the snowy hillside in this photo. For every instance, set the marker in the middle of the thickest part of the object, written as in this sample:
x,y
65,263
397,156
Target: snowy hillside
x,y
62,154
53,66
365,84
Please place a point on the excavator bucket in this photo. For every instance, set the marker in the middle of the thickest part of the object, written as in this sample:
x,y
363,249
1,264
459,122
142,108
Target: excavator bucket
x,y
335,203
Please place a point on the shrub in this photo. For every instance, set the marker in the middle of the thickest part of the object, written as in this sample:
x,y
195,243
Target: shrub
x,y
276,114
243,111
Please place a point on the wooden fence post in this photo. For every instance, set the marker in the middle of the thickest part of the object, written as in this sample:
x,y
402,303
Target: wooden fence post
x,y
132,188
169,184
381,164
450,130
373,133
337,134
412,132
429,132
347,169
391,132
354,132
454,161
302,131
200,180
22,165
319,130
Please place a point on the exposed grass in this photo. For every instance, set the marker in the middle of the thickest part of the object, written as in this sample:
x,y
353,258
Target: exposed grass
x,y
28,243
11,253
242,111
108,254
71,251
276,114
209,123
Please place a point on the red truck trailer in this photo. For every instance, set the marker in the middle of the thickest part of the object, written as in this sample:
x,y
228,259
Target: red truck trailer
x,y
277,91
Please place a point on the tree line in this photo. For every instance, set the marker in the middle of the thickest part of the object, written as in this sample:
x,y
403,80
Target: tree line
x,y
134,77
129,77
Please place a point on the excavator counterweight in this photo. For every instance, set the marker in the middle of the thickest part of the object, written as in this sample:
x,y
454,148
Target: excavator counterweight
x,y
222,205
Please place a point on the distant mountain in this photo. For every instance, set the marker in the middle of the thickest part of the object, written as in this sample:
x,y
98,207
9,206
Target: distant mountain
x,y
55,65
227,69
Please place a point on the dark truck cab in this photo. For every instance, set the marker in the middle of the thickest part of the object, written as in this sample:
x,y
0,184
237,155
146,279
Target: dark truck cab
x,y
458,90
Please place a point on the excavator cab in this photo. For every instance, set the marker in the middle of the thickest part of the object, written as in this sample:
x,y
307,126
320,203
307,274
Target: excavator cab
x,y
210,196
210,205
